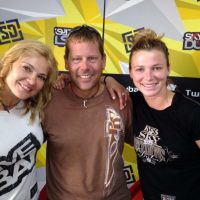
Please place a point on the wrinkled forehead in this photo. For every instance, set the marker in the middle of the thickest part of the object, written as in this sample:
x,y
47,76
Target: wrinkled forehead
x,y
84,47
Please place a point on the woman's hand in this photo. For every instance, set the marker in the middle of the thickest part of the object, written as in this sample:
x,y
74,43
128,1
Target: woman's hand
x,y
116,90
61,81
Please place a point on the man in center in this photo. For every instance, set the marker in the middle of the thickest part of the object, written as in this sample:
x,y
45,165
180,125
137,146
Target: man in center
x,y
85,128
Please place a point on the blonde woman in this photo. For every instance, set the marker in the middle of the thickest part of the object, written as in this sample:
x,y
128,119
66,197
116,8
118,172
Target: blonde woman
x,y
166,126
27,72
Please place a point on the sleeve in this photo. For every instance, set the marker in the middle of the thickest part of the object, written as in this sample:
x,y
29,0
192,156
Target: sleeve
x,y
129,125
44,124
195,122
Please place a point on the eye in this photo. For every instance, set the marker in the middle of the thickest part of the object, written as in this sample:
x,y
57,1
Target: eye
x,y
76,60
42,78
157,68
139,69
27,68
93,59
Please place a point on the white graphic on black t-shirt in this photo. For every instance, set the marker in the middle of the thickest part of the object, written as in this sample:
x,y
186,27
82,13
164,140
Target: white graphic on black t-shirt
x,y
167,197
18,163
147,148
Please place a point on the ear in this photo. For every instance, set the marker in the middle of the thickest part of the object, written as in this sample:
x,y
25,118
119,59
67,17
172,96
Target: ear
x,y
169,69
130,73
104,62
66,62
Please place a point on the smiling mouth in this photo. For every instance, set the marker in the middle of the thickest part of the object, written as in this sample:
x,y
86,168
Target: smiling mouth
x,y
87,76
28,89
149,86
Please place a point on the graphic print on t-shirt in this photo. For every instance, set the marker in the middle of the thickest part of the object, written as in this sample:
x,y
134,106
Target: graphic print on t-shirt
x,y
167,197
113,128
18,163
147,148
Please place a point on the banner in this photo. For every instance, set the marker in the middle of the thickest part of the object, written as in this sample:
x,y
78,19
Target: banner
x,y
117,20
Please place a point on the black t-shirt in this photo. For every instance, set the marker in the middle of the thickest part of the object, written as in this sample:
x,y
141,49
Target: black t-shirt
x,y
168,157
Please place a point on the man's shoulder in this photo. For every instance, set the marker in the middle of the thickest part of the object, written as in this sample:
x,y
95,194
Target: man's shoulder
x,y
115,103
59,93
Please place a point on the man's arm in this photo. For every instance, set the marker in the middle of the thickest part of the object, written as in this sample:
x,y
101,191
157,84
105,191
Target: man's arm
x,y
114,87
198,143
116,90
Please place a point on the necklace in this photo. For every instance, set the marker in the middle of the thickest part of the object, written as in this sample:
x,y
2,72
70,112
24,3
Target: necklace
x,y
8,107
85,100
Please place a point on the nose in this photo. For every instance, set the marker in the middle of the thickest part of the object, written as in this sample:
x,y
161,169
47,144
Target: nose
x,y
148,75
84,64
32,79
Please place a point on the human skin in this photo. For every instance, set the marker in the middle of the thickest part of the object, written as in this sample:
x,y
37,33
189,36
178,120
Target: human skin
x,y
85,64
26,77
149,72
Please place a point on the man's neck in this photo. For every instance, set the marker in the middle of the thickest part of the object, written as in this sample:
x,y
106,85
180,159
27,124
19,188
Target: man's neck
x,y
85,94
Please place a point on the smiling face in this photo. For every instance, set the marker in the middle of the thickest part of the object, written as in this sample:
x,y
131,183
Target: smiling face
x,y
85,64
149,72
27,77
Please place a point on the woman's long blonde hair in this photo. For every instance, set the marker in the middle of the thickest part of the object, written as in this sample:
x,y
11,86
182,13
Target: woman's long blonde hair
x,y
26,48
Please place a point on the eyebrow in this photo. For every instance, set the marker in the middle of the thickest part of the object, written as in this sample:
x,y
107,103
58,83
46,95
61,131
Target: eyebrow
x,y
34,68
156,65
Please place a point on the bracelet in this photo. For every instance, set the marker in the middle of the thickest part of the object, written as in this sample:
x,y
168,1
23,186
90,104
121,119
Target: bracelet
x,y
104,79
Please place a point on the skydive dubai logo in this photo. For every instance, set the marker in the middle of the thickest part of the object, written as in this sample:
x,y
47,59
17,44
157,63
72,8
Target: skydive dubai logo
x,y
10,31
60,35
191,40
129,174
127,38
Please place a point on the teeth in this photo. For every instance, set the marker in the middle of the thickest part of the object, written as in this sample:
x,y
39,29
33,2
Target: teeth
x,y
85,76
25,87
150,85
